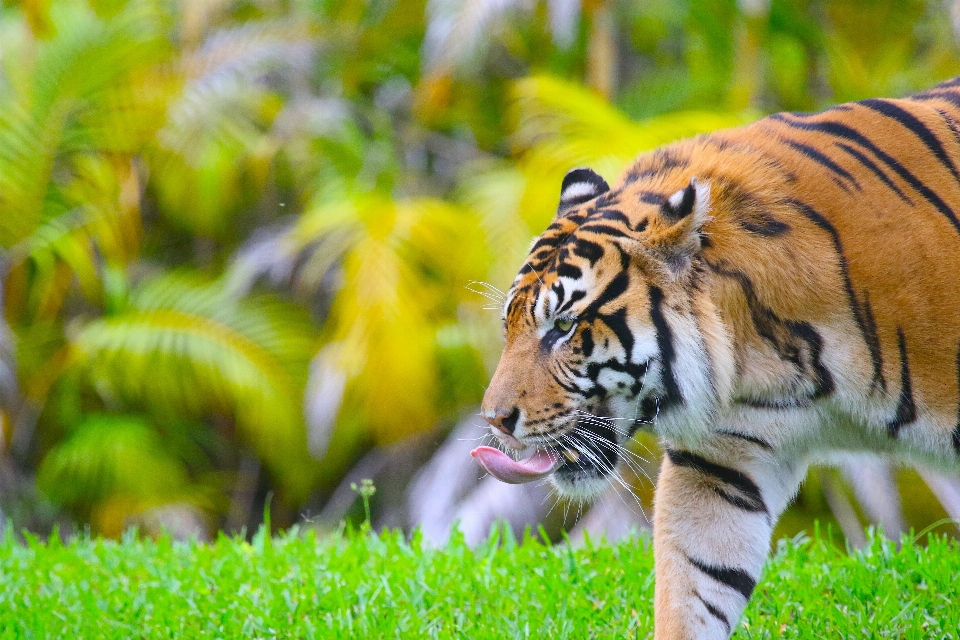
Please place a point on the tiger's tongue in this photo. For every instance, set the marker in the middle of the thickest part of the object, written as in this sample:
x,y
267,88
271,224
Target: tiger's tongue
x,y
506,469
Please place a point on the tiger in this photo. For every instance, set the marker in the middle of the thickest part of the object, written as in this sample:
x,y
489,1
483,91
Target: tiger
x,y
762,298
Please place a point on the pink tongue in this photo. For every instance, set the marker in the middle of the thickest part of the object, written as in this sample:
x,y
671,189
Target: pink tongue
x,y
506,469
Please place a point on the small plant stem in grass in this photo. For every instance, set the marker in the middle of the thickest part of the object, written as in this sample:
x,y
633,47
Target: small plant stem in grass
x,y
366,491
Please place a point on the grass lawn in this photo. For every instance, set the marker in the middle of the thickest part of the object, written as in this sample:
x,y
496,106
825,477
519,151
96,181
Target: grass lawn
x,y
365,586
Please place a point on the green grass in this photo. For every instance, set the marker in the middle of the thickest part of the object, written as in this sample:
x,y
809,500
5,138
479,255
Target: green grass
x,y
364,586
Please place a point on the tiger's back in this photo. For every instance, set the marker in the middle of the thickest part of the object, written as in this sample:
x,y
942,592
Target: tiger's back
x,y
765,296
844,220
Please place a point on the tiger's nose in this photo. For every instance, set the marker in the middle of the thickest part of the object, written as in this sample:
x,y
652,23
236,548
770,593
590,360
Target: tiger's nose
x,y
504,420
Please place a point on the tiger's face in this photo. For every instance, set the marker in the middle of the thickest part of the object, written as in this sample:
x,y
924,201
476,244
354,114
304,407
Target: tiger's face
x,y
586,360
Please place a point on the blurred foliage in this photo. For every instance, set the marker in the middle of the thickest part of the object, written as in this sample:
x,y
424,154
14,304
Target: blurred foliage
x,y
187,350
247,230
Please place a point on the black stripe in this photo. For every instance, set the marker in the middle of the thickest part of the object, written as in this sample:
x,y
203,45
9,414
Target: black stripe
x,y
783,335
558,291
659,162
852,302
824,162
567,370
947,96
610,214
873,344
751,500
906,410
752,214
724,145
614,290
617,321
539,265
762,223
763,444
823,380
651,197
545,240
951,124
597,227
715,612
877,171
625,257
946,84
550,338
566,270
633,176
635,371
736,579
512,306
911,122
848,133
765,321
775,403
586,341
541,255
665,345
590,251
579,294
564,384
608,199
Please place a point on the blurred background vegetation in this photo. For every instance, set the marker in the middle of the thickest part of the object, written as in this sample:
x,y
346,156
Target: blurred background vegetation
x,y
242,241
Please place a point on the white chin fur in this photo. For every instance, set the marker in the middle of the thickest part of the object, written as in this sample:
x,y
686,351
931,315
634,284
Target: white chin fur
x,y
579,487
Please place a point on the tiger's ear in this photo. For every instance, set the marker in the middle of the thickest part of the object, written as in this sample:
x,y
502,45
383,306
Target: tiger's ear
x,y
673,237
579,186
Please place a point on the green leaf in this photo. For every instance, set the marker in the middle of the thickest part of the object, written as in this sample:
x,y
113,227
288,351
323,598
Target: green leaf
x,y
183,349
107,455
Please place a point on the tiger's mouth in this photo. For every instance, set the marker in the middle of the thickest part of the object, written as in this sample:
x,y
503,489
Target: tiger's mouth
x,y
578,462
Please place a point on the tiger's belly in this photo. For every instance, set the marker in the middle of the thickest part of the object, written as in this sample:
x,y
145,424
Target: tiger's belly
x,y
782,405
825,433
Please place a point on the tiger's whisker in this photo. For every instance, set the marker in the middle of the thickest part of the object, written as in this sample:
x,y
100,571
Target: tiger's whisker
x,y
609,470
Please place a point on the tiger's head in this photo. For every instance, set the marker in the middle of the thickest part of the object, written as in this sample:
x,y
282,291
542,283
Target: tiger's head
x,y
600,332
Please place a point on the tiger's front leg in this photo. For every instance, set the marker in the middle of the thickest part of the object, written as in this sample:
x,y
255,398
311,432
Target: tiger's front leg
x,y
713,516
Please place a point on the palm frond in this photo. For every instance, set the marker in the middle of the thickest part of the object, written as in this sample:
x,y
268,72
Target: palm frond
x,y
67,94
100,229
185,350
73,109
106,455
217,132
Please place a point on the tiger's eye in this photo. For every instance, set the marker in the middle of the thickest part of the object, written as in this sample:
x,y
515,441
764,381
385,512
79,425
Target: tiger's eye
x,y
564,324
